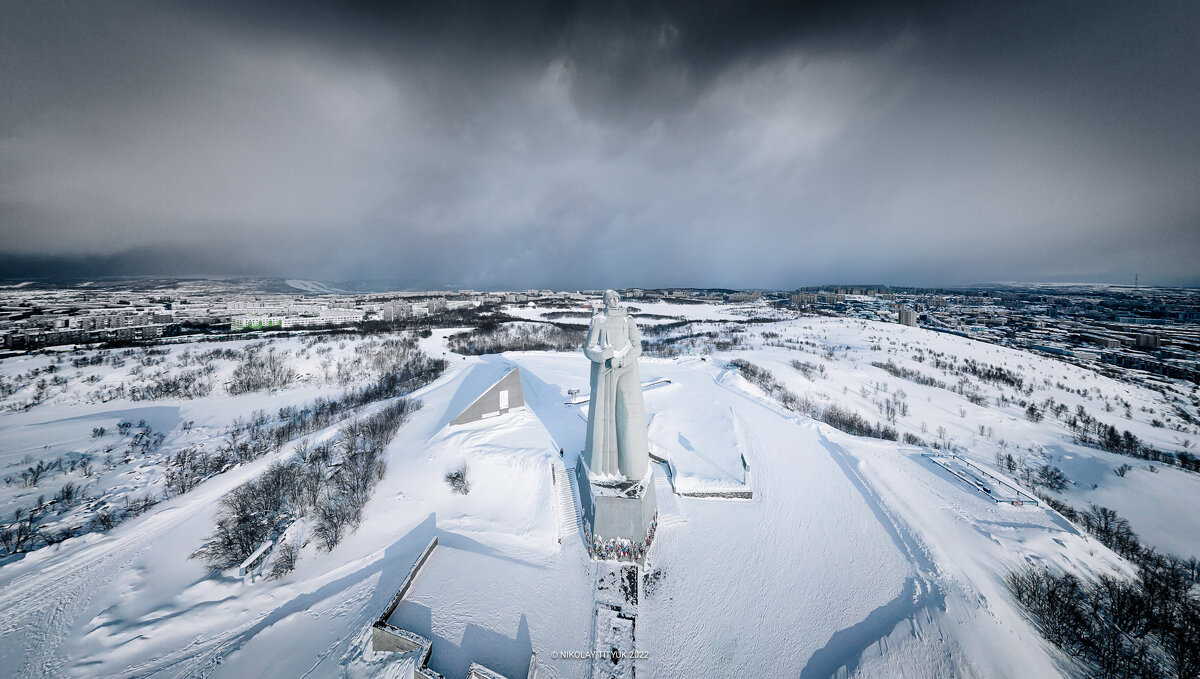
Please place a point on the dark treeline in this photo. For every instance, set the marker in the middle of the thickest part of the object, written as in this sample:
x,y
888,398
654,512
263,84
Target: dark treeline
x,y
250,439
260,371
573,315
329,483
674,346
833,415
725,336
400,377
965,387
907,374
666,328
853,423
1145,627
983,371
34,527
809,370
165,384
492,337
766,381
450,318
201,332
1035,476
405,370
1089,431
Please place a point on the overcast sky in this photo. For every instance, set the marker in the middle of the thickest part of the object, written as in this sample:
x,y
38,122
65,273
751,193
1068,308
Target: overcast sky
x,y
577,145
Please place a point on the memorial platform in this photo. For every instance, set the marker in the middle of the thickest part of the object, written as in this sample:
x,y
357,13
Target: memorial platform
x,y
619,520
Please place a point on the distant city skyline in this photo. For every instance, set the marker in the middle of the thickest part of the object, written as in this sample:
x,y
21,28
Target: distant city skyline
x,y
488,145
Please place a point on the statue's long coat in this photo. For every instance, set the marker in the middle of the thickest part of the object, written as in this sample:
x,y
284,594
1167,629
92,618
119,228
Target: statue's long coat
x,y
616,430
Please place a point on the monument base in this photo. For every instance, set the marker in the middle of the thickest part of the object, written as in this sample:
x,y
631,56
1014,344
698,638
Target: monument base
x,y
619,520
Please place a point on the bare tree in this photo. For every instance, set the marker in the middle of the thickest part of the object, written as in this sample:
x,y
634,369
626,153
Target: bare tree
x,y
458,479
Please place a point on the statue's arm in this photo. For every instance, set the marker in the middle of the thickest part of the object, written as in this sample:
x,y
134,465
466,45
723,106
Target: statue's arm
x,y
630,352
592,348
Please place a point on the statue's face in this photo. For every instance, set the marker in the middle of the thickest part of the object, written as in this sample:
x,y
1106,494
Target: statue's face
x,y
611,299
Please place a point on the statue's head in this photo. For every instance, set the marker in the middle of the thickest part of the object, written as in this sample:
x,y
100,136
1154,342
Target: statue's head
x,y
611,299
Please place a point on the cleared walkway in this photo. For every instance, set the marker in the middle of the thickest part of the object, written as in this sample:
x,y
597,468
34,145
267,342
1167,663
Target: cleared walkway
x,y
566,507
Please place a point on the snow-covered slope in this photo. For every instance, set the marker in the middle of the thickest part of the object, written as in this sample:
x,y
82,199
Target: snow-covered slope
x,y
855,556
315,287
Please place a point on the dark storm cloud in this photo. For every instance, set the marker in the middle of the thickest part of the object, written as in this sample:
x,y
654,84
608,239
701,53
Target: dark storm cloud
x,y
488,144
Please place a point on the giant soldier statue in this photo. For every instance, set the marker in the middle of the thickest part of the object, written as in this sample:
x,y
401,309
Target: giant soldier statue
x,y
616,447
615,480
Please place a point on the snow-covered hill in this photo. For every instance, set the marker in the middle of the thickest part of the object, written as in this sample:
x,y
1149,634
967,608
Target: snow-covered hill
x,y
314,287
855,556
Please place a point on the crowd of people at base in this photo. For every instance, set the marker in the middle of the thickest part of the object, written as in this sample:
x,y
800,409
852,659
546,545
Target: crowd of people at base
x,y
618,548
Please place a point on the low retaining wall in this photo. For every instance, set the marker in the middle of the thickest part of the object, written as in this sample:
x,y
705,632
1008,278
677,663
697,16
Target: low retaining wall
x,y
408,580
746,494
727,494
388,638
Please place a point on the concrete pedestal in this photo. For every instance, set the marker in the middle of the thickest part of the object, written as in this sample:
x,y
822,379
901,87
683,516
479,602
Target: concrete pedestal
x,y
620,520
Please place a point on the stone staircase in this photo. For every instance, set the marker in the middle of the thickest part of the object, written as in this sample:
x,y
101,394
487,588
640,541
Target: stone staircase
x,y
566,508
669,511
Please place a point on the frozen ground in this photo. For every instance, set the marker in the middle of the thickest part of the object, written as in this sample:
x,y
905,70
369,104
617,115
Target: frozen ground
x,y
701,436
855,557
1151,500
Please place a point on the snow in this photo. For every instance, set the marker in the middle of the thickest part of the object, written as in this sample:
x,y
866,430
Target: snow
x,y
846,349
509,461
854,557
315,287
480,605
698,435
992,485
648,313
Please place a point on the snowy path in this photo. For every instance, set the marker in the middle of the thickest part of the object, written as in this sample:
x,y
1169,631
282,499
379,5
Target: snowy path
x,y
922,595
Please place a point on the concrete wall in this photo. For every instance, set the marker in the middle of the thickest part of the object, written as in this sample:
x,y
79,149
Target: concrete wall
x,y
408,580
478,671
502,397
624,517
387,638
610,515
721,494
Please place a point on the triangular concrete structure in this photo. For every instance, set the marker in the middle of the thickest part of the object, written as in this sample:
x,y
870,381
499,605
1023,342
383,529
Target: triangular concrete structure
x,y
503,396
